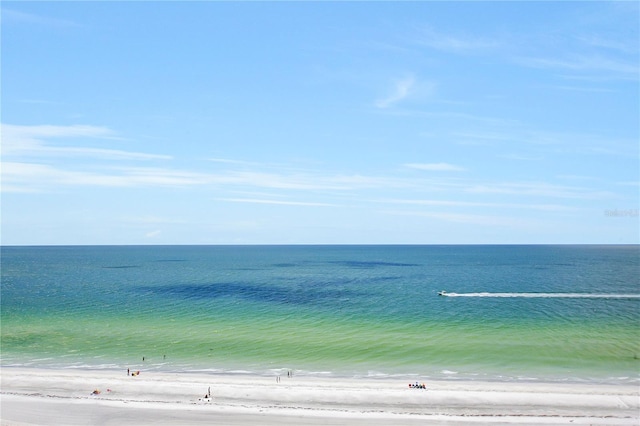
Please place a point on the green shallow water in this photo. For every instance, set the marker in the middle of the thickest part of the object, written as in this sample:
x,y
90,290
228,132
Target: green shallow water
x,y
363,311
323,345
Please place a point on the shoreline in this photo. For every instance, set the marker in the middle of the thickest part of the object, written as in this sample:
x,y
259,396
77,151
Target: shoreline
x,y
35,396
435,374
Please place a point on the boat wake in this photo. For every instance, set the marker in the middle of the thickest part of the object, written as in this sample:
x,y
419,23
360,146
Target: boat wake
x,y
544,295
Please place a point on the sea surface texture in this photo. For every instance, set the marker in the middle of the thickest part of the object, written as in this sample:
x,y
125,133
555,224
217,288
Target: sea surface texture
x,y
512,313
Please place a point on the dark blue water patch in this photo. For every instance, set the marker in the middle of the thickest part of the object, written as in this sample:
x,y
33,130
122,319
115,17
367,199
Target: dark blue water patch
x,y
365,264
122,267
300,263
307,295
249,269
170,260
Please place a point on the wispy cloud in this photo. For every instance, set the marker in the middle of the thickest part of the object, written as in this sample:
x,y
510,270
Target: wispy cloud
x,y
536,144
48,158
405,89
576,177
458,44
482,138
33,177
520,157
232,162
464,218
151,220
450,115
38,102
583,89
584,63
153,234
401,90
539,189
629,183
247,181
276,202
625,46
32,141
48,131
492,205
309,180
435,167
11,16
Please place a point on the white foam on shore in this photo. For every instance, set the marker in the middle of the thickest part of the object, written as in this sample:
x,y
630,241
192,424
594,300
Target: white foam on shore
x,y
30,396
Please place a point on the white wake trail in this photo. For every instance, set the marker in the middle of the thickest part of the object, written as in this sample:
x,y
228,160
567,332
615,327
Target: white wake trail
x,y
546,295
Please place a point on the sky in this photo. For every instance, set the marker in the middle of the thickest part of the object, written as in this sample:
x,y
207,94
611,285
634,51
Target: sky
x,y
320,123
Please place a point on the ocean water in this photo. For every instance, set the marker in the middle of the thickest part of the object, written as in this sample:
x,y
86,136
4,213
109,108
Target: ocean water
x,y
514,313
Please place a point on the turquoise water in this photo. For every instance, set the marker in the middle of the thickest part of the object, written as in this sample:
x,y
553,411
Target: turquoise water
x,y
564,313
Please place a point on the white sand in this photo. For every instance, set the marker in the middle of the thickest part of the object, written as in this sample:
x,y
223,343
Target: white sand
x,y
63,397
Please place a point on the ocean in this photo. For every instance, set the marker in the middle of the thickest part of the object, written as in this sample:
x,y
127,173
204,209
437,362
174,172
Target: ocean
x,y
510,313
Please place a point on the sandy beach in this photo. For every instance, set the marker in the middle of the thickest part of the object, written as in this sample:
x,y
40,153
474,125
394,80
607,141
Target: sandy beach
x,y
66,397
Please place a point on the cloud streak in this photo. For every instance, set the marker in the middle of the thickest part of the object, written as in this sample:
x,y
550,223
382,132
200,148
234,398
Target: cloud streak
x,y
401,90
538,189
10,16
492,205
435,167
276,202
455,43
584,64
33,177
468,219
28,177
34,141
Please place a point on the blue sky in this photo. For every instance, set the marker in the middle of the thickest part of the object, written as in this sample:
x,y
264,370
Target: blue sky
x,y
320,123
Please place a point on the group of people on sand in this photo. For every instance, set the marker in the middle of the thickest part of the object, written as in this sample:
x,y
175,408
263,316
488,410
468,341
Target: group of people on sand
x,y
132,374
417,385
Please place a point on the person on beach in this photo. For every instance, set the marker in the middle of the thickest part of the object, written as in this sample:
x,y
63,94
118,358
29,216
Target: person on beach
x,y
207,396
